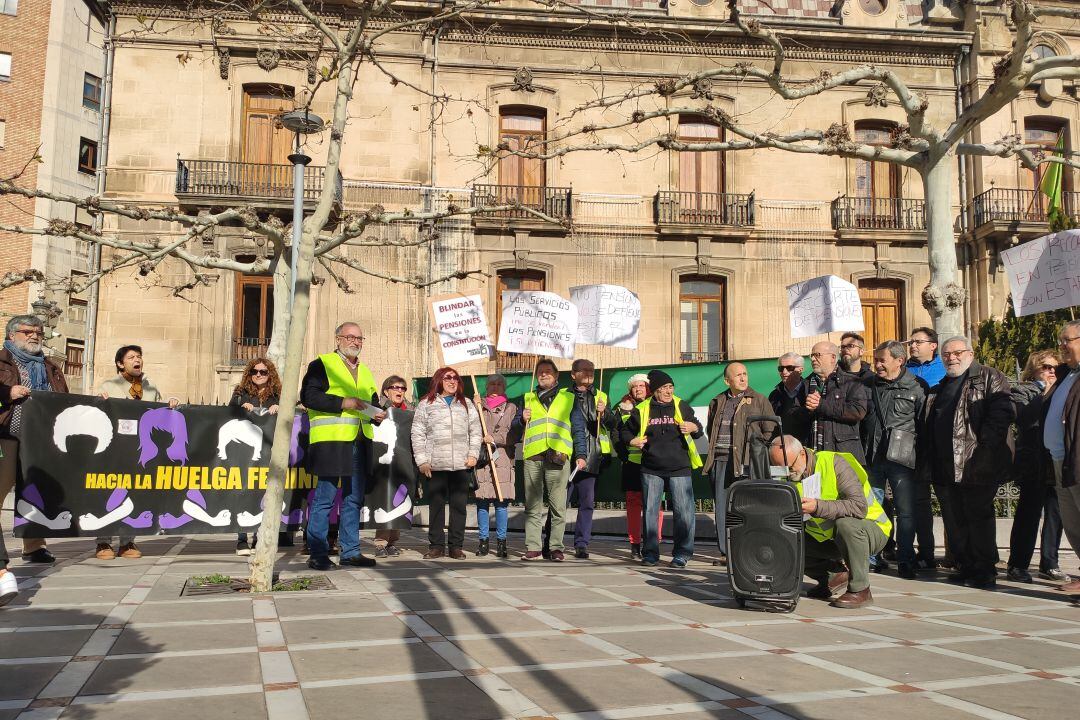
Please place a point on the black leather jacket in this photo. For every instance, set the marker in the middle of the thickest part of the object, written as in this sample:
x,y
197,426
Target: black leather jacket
x,y
982,441
898,402
583,428
844,403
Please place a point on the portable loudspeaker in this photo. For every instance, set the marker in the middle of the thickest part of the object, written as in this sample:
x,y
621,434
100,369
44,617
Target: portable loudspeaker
x,y
765,543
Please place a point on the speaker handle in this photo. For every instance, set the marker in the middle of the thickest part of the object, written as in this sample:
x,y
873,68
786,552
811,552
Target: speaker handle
x,y
775,419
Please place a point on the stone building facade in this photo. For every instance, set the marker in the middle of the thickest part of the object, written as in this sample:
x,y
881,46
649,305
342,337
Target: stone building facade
x,y
708,242
51,100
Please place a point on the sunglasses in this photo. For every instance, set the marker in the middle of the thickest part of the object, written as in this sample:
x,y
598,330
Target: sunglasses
x,y
789,368
455,378
397,387
260,372
1049,367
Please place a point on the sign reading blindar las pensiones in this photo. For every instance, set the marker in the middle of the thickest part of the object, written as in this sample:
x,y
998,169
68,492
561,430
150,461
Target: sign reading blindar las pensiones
x,y
94,467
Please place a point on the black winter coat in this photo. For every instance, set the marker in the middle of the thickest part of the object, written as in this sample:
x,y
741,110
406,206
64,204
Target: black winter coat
x,y
328,459
900,401
844,403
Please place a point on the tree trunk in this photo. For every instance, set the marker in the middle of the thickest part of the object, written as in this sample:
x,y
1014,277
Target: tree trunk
x,y
279,333
943,298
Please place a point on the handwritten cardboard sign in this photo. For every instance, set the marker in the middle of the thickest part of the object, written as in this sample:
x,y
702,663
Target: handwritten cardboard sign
x,y
607,315
822,305
535,322
1044,274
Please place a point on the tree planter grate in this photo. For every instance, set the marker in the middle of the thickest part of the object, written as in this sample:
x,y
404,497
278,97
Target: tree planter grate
x,y
194,588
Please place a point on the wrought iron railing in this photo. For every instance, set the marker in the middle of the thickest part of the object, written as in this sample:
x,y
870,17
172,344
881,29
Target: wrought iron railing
x,y
1016,205
878,213
245,349
695,357
676,207
223,178
555,202
514,362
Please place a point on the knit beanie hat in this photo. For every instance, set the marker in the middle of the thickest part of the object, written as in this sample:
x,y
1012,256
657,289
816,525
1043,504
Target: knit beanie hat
x,y
640,377
659,378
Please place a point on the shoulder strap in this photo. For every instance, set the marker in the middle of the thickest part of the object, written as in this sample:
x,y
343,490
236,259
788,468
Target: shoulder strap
x,y
877,404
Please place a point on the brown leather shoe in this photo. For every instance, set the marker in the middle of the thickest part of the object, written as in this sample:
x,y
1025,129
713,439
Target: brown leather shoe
x,y
434,553
130,552
457,553
853,600
105,552
838,582
1071,588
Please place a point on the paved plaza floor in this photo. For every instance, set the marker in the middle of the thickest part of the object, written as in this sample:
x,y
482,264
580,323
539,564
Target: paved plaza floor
x,y
484,638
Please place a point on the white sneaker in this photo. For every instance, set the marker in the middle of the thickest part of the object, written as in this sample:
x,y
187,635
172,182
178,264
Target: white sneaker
x,y
9,588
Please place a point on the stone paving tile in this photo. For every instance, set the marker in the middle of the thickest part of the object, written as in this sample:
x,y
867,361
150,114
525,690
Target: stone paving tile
x,y
249,706
711,613
52,616
661,593
1033,654
605,617
659,643
9,714
558,595
764,675
908,664
1005,600
1037,700
425,584
914,604
529,650
455,698
470,623
593,688
725,714
910,629
36,644
525,582
184,637
1064,610
797,635
368,661
140,675
194,610
44,596
903,706
343,629
25,681
1009,622
327,605
451,600
63,579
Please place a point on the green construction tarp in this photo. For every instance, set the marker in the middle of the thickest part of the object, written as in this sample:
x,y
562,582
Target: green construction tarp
x,y
696,383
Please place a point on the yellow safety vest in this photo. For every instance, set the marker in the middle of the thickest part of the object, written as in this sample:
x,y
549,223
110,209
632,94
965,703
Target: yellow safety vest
x,y
604,436
633,454
343,426
643,418
821,529
549,428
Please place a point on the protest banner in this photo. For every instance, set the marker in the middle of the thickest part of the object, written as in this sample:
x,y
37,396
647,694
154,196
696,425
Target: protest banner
x,y
462,328
607,315
535,322
106,467
1044,274
822,305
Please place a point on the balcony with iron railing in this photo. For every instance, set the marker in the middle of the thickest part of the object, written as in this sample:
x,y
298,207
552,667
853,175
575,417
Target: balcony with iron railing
x,y
676,207
701,357
1013,205
245,349
554,202
874,213
224,182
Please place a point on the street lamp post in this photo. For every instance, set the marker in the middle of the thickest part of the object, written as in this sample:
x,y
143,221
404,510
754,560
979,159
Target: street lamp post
x,y
300,122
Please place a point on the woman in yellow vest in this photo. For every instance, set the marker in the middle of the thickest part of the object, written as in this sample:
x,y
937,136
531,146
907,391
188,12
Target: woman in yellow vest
x,y
637,389
846,523
547,447
446,439
663,427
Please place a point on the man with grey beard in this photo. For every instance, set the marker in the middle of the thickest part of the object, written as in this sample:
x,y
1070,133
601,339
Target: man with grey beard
x,y
23,364
965,448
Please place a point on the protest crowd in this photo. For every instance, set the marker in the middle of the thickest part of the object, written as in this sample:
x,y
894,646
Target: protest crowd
x,y
877,441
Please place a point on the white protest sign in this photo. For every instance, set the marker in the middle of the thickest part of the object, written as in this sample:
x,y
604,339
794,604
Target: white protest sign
x,y
823,305
607,315
462,328
1044,274
535,322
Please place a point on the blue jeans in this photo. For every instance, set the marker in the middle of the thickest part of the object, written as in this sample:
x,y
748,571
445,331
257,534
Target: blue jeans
x,y
483,519
912,518
351,502
720,479
681,490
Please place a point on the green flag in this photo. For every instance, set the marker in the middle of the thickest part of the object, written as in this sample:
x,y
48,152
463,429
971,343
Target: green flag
x,y
1051,181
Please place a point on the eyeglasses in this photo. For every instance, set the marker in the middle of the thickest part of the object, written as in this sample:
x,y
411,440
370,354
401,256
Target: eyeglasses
x,y
788,368
402,388
30,333
447,378
918,342
1049,367
849,346
261,372
818,356
351,338
1065,341
955,353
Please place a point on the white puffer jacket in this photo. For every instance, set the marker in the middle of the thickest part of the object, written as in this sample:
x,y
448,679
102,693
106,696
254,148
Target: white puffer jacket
x,y
445,436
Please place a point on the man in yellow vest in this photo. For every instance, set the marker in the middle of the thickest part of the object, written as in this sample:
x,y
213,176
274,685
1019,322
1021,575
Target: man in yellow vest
x,y
591,423
846,523
336,387
664,427
547,447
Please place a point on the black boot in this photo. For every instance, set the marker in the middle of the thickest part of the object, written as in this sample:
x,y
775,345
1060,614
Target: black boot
x,y
500,549
483,549
635,551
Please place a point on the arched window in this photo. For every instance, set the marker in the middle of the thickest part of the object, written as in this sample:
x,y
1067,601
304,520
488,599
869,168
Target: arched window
x,y
701,318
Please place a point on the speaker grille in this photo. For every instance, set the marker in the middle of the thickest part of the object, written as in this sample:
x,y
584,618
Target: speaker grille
x,y
765,539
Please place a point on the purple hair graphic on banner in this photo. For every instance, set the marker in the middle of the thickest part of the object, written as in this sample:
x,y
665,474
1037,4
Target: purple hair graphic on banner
x,y
300,426
172,422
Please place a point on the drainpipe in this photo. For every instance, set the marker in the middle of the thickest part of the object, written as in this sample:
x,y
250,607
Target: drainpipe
x,y
434,83
965,226
103,158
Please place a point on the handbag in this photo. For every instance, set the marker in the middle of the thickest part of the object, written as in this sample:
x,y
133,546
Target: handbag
x,y
899,444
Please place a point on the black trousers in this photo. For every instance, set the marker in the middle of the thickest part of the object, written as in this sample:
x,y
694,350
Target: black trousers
x,y
970,526
1036,497
455,485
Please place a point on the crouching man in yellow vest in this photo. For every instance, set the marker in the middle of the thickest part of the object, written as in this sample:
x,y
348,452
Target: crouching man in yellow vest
x,y
846,523
335,388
